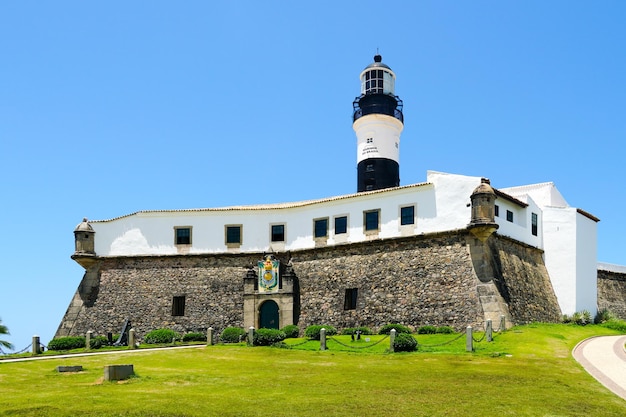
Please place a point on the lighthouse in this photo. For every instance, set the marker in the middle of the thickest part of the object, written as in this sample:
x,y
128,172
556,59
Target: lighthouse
x,y
377,122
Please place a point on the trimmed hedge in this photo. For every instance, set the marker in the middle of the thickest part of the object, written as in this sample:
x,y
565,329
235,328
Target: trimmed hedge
x,y
400,328
194,337
67,343
427,330
404,342
161,336
232,335
268,337
313,332
291,331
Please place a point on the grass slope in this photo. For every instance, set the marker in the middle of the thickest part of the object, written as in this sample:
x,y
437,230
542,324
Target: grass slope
x,y
527,371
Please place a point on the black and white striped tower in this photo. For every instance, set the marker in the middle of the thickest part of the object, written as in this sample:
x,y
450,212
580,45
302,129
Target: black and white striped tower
x,y
378,122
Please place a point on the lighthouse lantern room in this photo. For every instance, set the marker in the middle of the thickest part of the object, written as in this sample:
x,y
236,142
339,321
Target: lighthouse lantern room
x,y
378,122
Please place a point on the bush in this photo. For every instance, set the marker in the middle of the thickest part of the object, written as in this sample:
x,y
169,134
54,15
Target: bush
x,y
602,316
66,343
400,328
194,337
404,342
445,330
313,332
427,330
268,337
160,336
232,335
98,341
291,331
352,330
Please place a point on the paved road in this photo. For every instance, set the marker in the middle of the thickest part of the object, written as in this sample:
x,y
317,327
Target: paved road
x,y
604,357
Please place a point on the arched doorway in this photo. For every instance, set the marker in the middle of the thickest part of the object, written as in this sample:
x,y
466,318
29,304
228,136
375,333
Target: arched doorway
x,y
268,315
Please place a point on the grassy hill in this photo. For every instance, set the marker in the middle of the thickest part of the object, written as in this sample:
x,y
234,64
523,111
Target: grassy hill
x,y
527,371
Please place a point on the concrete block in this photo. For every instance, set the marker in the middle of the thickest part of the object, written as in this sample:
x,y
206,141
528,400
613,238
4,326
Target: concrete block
x,y
118,372
76,368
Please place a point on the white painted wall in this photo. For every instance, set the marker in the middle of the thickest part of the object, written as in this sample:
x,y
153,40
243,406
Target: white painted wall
x,y
586,264
442,204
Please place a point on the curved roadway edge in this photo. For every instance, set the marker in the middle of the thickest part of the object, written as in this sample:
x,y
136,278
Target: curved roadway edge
x,y
604,358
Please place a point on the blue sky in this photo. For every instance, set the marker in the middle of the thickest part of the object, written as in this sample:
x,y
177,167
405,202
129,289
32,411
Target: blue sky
x,y
107,108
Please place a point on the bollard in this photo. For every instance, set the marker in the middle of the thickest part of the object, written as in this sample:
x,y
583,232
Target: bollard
x,y
88,340
209,336
251,336
489,331
322,339
392,337
131,339
469,342
36,345
502,323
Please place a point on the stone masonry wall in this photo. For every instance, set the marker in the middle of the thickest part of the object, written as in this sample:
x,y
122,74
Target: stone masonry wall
x,y
414,281
523,281
612,292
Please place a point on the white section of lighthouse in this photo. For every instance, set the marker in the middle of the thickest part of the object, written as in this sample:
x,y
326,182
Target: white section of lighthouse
x,y
378,122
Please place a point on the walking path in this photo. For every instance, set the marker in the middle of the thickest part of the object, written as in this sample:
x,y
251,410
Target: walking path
x,y
604,357
109,352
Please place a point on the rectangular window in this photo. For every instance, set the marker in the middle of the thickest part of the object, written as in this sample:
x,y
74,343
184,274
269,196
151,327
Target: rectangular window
x,y
183,235
321,228
534,222
349,302
496,210
509,216
278,233
341,225
407,215
178,305
233,235
371,219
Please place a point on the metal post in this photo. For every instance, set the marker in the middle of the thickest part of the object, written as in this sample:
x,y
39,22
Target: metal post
x,y
489,331
36,345
209,336
251,336
322,339
392,337
88,340
469,342
131,339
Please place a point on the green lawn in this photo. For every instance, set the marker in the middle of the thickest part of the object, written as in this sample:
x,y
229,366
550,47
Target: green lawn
x,y
527,371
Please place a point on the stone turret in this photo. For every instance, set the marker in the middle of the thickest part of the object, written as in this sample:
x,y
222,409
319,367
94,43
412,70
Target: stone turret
x,y
84,242
483,224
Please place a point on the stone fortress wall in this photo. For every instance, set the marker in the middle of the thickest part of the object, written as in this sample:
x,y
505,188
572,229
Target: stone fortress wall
x,y
612,291
417,280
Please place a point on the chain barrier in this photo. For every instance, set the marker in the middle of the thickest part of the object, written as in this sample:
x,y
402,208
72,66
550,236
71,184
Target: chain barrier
x,y
479,340
358,347
16,353
444,343
302,343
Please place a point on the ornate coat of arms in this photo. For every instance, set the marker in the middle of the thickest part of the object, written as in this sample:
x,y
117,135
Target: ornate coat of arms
x,y
269,269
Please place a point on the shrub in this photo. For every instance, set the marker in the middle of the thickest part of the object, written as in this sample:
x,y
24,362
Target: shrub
x,y
445,330
232,335
352,330
404,342
291,331
67,343
566,319
400,328
98,341
194,337
268,337
313,332
161,336
602,316
427,330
